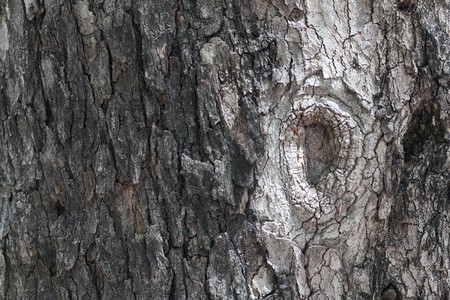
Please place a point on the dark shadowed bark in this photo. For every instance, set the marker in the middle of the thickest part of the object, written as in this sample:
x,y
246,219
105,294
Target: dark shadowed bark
x,y
212,149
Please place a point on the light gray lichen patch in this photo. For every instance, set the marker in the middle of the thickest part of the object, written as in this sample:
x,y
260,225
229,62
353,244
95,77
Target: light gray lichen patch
x,y
4,39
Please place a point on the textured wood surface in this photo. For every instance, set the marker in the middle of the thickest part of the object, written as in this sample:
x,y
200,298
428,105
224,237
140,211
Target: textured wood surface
x,y
211,149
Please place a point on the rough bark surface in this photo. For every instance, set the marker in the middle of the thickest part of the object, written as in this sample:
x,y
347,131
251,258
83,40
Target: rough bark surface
x,y
212,149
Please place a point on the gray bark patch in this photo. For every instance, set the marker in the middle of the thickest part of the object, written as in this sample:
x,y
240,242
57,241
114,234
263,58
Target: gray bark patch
x,y
319,151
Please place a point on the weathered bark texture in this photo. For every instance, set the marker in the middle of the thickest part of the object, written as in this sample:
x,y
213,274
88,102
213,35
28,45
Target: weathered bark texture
x,y
224,149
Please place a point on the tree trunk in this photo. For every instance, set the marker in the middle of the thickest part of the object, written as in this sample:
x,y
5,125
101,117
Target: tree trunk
x,y
211,149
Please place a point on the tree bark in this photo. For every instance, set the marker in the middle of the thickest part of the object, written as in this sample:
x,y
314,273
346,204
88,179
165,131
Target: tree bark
x,y
211,149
